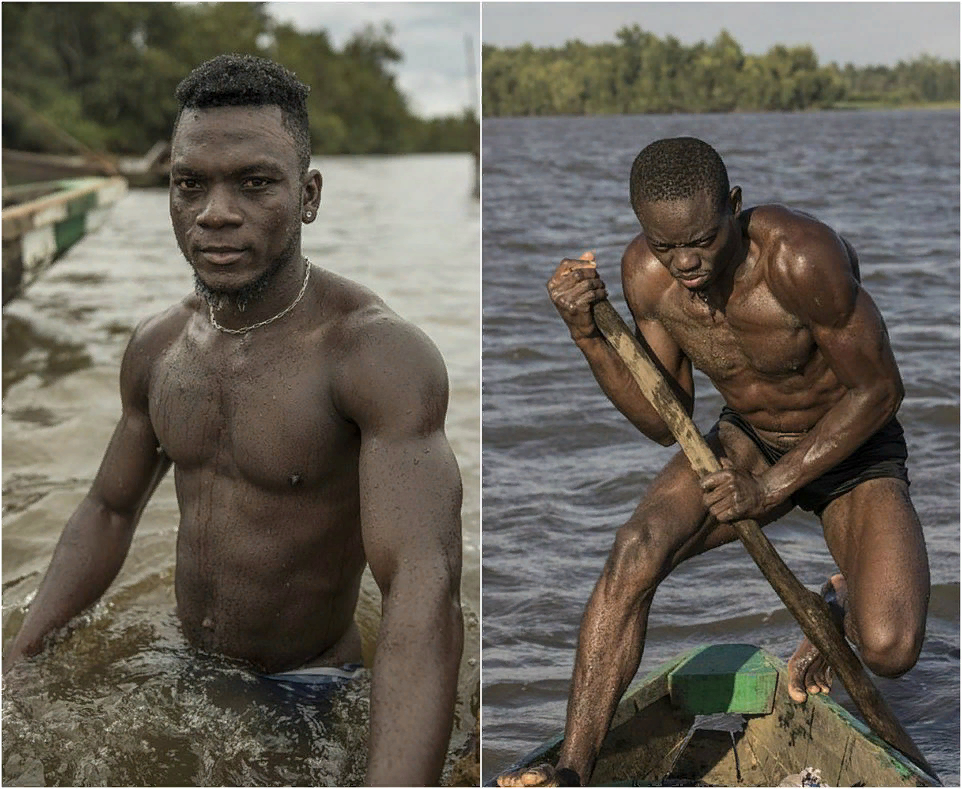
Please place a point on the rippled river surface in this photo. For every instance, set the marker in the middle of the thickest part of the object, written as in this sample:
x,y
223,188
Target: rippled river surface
x,y
123,700
562,468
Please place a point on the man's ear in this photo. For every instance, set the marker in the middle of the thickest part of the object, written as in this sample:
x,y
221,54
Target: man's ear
x,y
735,200
311,196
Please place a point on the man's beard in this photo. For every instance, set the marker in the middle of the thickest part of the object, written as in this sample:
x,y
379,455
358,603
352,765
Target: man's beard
x,y
241,298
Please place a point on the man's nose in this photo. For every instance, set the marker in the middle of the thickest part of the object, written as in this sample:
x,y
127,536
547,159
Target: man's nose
x,y
219,209
686,260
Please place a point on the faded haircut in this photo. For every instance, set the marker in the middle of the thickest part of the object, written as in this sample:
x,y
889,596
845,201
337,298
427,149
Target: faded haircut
x,y
249,81
677,169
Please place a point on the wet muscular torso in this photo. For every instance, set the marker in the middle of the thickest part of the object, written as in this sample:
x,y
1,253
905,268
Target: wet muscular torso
x,y
762,359
269,553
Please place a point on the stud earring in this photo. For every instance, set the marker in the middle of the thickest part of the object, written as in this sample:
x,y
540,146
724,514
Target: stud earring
x,y
308,215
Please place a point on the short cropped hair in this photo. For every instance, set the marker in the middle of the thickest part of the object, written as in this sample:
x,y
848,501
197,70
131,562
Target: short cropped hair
x,y
248,81
677,169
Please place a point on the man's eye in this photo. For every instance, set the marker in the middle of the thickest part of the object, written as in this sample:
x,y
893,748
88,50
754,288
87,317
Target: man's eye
x,y
188,184
255,182
706,242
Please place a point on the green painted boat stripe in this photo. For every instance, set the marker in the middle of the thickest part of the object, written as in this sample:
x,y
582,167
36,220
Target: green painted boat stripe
x,y
82,204
70,231
725,678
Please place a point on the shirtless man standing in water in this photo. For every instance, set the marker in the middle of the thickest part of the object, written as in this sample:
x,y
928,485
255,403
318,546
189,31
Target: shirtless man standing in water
x,y
305,424
767,303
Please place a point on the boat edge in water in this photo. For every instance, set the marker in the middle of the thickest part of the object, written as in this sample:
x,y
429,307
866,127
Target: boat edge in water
x,y
39,230
743,679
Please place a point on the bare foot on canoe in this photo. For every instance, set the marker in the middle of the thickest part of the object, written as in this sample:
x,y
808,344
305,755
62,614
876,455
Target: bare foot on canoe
x,y
540,775
808,671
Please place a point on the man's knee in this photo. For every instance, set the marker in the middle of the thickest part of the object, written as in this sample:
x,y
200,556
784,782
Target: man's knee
x,y
888,650
638,558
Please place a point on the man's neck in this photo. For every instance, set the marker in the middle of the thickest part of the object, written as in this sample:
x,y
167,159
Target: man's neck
x,y
272,297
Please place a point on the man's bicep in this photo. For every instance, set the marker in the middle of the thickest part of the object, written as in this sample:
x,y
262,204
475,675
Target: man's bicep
x,y
858,348
133,461
131,467
395,389
819,287
393,382
410,491
668,357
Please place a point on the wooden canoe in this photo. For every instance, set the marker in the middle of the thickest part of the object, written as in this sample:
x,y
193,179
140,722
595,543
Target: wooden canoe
x,y
149,171
721,716
42,221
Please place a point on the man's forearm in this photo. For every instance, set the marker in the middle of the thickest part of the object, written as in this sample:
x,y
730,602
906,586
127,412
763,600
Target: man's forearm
x,y
414,687
842,430
620,388
87,558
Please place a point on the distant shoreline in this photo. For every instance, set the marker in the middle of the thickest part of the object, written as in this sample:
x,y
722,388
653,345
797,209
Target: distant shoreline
x,y
864,106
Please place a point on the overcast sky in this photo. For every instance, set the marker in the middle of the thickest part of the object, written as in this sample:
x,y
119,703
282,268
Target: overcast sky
x,y
859,33
431,36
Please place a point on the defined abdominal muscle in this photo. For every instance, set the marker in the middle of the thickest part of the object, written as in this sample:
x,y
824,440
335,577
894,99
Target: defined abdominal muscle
x,y
273,628
267,590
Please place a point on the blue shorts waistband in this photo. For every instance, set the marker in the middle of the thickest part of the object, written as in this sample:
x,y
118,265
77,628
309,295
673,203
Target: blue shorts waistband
x,y
318,675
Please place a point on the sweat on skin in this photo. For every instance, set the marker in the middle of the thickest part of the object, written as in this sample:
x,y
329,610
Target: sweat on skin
x,y
302,450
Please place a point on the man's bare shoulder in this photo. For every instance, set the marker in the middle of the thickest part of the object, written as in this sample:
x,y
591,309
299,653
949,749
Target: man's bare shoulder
x,y
644,279
386,363
151,337
363,322
156,331
806,264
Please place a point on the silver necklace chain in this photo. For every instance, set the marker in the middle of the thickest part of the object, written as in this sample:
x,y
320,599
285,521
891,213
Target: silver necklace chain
x,y
281,314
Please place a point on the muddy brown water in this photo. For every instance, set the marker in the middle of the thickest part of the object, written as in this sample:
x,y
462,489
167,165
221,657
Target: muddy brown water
x,y
123,700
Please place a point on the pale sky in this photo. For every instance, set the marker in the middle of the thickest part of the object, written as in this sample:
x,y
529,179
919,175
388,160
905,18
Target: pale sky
x,y
863,33
431,36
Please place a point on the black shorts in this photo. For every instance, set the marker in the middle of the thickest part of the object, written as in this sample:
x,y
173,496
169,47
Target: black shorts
x,y
882,455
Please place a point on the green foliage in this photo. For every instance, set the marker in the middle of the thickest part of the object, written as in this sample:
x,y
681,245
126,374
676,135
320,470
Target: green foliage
x,y
105,74
641,73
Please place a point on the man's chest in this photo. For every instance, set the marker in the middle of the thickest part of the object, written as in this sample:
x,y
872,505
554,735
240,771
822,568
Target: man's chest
x,y
753,336
268,418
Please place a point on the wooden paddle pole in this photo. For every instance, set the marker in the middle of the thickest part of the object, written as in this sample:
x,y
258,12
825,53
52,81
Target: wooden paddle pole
x,y
808,608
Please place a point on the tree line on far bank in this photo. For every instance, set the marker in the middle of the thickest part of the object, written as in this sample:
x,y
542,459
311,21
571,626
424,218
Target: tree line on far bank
x,y
105,74
641,73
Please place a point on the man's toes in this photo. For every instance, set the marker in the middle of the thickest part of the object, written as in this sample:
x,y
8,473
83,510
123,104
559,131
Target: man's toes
x,y
823,678
799,668
541,775
795,691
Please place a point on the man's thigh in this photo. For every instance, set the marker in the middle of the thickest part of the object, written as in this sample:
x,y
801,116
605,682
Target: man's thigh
x,y
673,506
876,539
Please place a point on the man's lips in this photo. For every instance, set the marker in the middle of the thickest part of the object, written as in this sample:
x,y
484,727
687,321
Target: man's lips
x,y
222,256
695,281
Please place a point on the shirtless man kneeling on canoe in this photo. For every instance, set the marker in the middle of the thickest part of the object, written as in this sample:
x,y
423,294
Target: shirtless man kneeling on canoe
x,y
305,423
767,303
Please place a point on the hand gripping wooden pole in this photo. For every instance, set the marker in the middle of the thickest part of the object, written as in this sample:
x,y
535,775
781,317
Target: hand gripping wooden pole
x,y
808,608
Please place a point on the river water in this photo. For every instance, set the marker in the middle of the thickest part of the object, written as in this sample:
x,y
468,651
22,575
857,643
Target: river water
x,y
562,468
123,701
